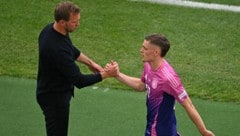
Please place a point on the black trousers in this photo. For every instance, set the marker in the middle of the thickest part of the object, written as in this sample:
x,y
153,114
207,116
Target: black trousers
x,y
55,109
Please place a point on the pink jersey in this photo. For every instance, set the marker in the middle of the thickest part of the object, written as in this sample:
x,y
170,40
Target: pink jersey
x,y
163,87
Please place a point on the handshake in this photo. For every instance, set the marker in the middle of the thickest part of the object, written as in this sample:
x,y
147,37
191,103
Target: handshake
x,y
111,70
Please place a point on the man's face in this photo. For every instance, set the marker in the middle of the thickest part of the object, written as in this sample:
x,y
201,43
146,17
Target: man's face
x,y
72,23
149,52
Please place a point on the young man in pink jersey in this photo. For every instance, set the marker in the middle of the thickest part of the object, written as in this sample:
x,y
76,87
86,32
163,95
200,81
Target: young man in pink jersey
x,y
163,87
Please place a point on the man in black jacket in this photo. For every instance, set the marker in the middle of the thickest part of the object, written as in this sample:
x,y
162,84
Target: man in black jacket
x,y
57,70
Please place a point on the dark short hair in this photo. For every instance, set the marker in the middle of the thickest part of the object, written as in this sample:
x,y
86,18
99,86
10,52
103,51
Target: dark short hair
x,y
160,41
64,9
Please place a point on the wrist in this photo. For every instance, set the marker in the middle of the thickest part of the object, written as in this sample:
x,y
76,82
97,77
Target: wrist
x,y
118,76
104,74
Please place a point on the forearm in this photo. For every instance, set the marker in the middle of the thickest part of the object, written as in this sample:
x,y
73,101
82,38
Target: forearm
x,y
94,67
195,116
84,59
198,121
132,82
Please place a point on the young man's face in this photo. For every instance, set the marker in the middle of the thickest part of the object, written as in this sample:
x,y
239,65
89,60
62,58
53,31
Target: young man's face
x,y
149,52
72,23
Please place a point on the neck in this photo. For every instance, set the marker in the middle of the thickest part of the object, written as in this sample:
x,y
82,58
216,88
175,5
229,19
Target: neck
x,y
59,28
156,64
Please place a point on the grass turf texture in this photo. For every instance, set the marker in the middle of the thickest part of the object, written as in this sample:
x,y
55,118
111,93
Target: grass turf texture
x,y
205,43
103,112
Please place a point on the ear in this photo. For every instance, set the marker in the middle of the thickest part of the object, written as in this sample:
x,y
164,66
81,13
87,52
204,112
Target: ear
x,y
62,22
157,52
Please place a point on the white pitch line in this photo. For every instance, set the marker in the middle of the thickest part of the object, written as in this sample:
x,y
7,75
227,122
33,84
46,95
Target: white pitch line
x,y
187,3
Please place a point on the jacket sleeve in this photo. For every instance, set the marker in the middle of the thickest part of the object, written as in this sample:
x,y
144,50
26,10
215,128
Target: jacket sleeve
x,y
65,63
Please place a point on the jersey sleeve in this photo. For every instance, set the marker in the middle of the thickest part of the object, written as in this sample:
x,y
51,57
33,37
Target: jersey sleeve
x,y
142,77
176,88
145,69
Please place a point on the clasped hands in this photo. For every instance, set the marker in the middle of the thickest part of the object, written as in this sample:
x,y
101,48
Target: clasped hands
x,y
112,69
